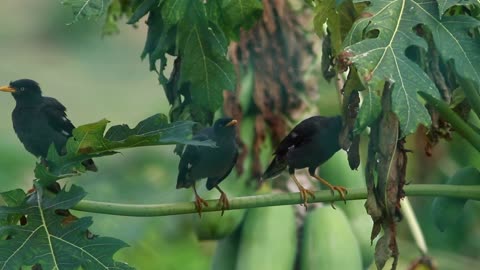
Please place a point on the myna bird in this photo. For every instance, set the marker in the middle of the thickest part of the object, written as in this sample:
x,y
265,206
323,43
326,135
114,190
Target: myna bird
x,y
213,163
308,145
40,121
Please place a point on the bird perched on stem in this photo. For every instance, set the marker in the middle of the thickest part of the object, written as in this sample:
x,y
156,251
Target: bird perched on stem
x,y
213,163
40,121
308,145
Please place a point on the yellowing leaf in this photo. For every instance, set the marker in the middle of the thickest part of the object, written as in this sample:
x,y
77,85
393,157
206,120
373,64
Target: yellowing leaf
x,y
89,141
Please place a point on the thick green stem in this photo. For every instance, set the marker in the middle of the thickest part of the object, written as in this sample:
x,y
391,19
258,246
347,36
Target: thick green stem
x,y
472,94
149,210
458,123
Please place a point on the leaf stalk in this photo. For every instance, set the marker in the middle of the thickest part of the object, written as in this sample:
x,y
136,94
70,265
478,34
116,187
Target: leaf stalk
x,y
168,209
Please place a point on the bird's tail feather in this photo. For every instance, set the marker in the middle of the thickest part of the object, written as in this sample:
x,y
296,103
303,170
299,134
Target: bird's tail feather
x,y
182,179
275,168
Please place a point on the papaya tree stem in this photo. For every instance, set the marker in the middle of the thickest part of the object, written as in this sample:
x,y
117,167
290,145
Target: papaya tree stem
x,y
168,209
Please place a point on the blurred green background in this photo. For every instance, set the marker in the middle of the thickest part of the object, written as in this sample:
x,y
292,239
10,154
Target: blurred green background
x,y
97,78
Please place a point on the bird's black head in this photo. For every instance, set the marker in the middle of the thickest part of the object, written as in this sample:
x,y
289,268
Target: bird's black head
x,y
225,127
23,90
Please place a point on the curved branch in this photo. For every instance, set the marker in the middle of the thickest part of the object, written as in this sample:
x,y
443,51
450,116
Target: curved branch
x,y
150,210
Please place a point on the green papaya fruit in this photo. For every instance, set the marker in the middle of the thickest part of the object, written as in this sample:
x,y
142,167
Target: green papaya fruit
x,y
269,239
338,171
212,225
225,256
329,242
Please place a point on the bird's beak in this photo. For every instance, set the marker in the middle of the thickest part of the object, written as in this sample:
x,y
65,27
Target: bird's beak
x,y
7,89
232,123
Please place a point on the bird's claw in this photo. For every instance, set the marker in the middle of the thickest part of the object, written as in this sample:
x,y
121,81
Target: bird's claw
x,y
199,203
224,203
304,193
341,190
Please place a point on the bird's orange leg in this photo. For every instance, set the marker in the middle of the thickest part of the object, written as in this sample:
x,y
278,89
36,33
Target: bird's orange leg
x,y
304,193
223,200
199,202
341,190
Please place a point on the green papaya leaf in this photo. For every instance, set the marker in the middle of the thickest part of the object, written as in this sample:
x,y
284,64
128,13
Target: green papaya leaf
x,y
89,141
376,45
113,13
239,14
324,10
443,5
339,18
205,68
155,45
142,10
369,112
11,198
173,11
86,9
452,37
447,211
55,241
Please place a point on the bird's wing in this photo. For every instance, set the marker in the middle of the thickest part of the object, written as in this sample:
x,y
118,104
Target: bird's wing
x,y
213,181
189,158
300,134
57,117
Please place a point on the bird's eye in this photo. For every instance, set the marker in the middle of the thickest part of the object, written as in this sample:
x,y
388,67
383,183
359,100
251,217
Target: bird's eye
x,y
22,89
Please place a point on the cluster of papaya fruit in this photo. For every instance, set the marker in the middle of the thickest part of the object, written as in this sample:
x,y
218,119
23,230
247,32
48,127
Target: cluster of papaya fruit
x,y
275,238
268,239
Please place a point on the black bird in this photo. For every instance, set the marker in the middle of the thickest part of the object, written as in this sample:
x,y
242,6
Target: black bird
x,y
215,164
40,121
308,145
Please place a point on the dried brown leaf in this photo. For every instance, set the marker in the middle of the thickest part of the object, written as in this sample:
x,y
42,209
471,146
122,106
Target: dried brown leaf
x,y
277,50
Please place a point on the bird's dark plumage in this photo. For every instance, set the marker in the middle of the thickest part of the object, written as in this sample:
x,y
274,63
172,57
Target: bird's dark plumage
x,y
215,164
40,121
308,145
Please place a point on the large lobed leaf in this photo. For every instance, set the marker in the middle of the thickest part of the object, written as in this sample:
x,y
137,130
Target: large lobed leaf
x,y
89,141
205,67
443,5
383,58
339,17
55,241
453,39
11,198
197,34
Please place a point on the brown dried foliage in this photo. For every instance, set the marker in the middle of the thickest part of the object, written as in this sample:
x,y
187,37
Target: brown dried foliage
x,y
349,142
388,158
278,51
